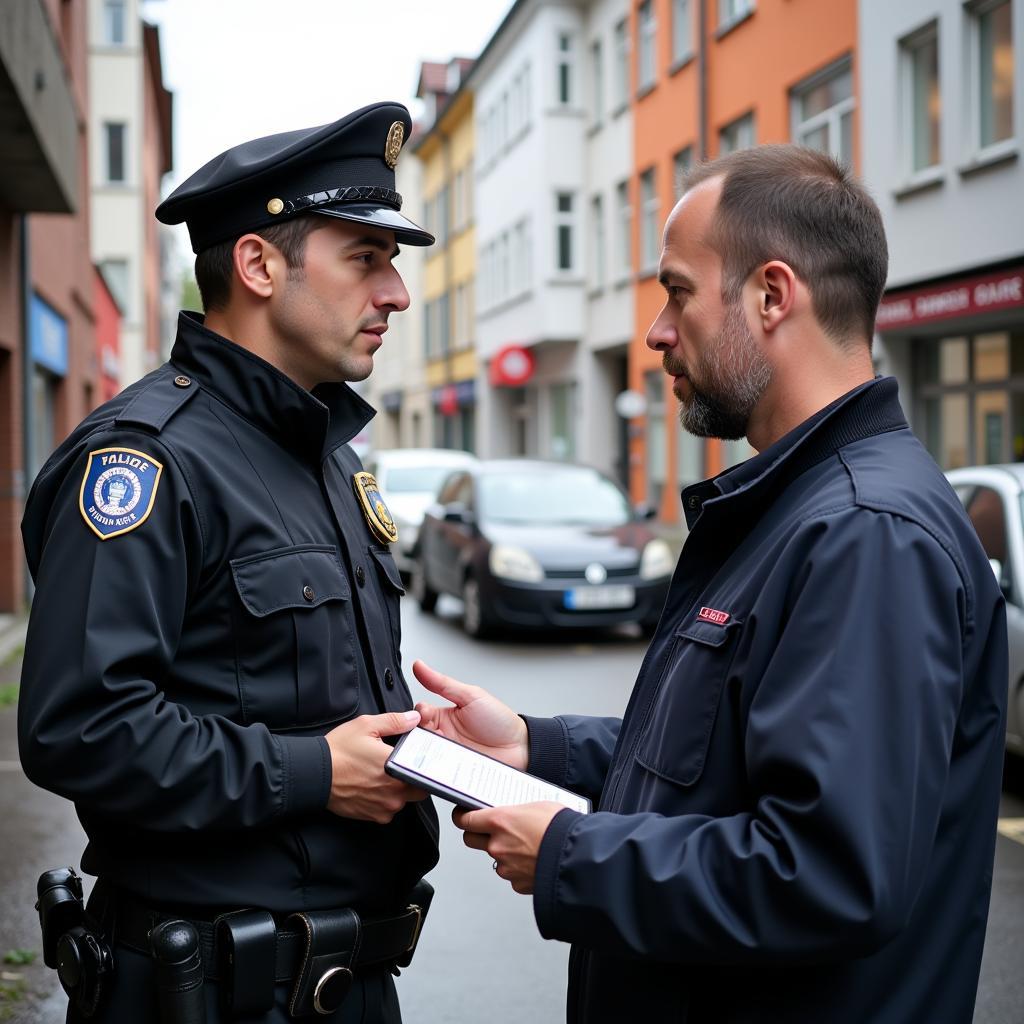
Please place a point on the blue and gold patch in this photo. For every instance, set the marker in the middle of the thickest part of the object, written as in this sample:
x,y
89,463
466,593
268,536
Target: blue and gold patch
x,y
378,518
118,490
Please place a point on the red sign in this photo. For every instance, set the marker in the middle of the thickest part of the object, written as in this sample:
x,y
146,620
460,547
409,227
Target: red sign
x,y
449,403
511,366
713,615
982,294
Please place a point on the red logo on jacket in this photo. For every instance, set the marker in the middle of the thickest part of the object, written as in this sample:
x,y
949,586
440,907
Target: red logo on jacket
x,y
713,615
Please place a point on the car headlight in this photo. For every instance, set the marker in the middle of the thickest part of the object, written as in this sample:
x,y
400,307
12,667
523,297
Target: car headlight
x,y
656,561
512,563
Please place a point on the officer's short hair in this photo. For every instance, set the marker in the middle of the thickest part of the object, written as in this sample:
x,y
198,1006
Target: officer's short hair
x,y
789,203
215,266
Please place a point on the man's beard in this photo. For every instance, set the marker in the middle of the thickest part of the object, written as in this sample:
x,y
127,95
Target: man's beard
x,y
726,382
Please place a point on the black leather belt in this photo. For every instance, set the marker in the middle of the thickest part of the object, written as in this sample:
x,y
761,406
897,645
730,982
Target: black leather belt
x,y
384,940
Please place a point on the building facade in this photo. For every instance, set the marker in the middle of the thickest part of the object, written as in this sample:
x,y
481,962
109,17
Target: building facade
x,y
130,151
703,86
48,364
943,95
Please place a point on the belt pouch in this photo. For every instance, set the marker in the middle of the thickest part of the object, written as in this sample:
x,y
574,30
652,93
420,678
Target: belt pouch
x,y
246,943
331,950
422,894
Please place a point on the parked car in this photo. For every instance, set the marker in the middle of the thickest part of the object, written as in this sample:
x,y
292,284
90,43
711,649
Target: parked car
x,y
409,479
527,543
994,499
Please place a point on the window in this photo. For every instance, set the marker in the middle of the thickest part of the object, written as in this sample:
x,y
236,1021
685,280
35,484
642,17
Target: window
x,y
115,273
822,112
993,72
624,216
596,83
732,10
521,236
681,164
737,135
113,132
922,104
564,257
597,243
114,22
443,217
682,30
621,58
443,325
650,248
563,443
564,81
646,32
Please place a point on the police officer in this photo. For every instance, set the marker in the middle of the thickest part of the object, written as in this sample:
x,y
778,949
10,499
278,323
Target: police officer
x,y
796,815
212,666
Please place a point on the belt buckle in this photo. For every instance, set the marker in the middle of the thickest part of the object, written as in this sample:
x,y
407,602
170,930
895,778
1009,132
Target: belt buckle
x,y
333,985
418,910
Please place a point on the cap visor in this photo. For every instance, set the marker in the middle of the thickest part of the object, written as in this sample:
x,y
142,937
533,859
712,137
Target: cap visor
x,y
380,217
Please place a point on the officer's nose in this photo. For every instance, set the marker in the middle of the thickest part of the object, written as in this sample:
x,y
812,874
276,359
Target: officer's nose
x,y
392,295
662,335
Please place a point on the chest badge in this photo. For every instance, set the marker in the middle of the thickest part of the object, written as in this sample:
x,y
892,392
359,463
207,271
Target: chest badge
x,y
377,515
713,615
118,490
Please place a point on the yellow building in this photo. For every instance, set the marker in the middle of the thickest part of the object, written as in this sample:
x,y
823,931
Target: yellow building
x,y
446,152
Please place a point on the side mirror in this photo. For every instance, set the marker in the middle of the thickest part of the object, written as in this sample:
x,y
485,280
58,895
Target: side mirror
x,y
1001,578
457,512
645,511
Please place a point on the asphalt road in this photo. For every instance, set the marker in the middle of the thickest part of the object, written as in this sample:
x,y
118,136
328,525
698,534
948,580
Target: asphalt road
x,y
481,957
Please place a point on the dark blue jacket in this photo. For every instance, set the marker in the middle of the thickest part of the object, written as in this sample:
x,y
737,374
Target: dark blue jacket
x,y
796,816
179,677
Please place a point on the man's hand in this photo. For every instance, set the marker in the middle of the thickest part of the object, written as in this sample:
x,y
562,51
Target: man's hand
x,y
478,720
511,836
359,787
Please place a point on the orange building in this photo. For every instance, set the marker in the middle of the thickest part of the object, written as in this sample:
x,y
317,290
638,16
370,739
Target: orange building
x,y
710,76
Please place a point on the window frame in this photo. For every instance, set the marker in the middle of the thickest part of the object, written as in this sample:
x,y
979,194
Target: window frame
x,y
108,152
909,47
565,228
977,150
735,124
646,47
110,8
832,117
650,211
682,13
621,57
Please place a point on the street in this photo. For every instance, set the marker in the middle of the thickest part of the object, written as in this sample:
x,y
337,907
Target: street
x,y
481,957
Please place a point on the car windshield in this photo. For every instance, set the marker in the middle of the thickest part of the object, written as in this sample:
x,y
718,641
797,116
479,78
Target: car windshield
x,y
413,479
565,497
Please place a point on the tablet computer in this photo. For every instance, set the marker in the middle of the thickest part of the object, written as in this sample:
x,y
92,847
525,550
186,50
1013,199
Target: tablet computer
x,y
468,778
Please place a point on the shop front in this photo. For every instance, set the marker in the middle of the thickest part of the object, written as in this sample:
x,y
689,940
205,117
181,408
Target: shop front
x,y
957,348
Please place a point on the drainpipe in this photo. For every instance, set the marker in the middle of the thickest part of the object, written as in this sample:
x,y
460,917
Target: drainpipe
x,y
702,79
27,445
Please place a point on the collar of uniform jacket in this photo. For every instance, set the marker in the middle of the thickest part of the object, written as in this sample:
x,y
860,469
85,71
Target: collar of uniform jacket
x,y
311,424
870,408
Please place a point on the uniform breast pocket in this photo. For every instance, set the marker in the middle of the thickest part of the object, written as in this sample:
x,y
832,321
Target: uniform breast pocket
x,y
295,637
391,590
674,739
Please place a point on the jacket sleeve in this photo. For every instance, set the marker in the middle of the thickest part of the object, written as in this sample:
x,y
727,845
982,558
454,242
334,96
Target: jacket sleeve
x,y
94,724
572,751
847,749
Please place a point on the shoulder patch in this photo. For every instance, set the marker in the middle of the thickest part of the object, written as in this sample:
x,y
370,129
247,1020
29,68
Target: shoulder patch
x,y
118,490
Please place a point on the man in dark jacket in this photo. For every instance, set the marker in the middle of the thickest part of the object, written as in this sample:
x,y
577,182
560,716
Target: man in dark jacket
x,y
795,819
213,653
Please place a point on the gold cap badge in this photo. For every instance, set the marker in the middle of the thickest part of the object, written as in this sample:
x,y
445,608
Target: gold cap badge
x,y
275,206
396,136
377,515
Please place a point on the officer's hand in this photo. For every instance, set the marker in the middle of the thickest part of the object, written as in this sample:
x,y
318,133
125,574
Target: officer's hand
x,y
478,720
511,836
359,787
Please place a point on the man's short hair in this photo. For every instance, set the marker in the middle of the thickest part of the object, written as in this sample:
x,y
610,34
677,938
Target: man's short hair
x,y
788,203
215,266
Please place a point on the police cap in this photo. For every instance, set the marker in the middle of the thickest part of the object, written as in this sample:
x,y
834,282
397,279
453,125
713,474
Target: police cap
x,y
345,169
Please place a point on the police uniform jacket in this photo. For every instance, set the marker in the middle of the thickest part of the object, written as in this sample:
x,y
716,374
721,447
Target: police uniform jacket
x,y
796,816
180,673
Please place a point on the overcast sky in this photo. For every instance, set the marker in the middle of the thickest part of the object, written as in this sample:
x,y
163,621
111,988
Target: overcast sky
x,y
240,69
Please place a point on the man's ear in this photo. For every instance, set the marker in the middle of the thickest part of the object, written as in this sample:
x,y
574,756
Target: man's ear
x,y
777,287
255,261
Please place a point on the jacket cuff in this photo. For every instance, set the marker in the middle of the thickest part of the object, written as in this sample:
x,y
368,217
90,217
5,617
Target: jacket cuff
x,y
549,749
549,858
306,763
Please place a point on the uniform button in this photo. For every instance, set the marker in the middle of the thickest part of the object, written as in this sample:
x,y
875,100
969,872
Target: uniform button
x,y
389,679
360,575
694,502
183,381
308,593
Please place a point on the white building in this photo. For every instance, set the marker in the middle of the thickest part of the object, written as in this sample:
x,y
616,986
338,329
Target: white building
x,y
550,149
130,151
943,116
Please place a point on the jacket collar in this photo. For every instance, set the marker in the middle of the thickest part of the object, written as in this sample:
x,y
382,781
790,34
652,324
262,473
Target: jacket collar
x,y
869,409
310,424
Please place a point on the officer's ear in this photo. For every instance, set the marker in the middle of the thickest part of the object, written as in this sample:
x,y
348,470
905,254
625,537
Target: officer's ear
x,y
255,263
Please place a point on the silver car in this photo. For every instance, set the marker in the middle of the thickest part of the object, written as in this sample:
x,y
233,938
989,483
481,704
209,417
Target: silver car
x,y
994,499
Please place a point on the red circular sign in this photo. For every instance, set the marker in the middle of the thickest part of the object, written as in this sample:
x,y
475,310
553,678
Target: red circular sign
x,y
511,366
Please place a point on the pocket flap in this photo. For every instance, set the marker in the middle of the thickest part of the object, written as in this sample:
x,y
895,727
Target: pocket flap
x,y
302,577
708,633
387,563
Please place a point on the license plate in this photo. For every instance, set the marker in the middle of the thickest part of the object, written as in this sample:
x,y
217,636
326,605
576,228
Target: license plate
x,y
588,598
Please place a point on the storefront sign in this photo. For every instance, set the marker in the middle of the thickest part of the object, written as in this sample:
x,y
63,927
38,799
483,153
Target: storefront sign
x,y
48,336
512,366
983,294
452,397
